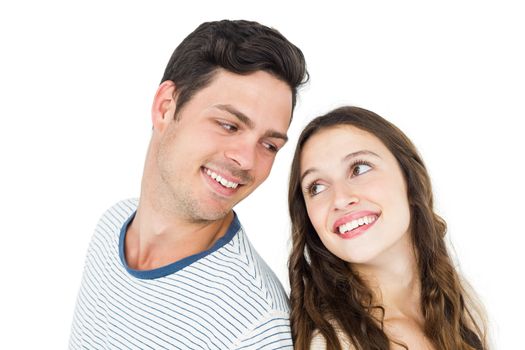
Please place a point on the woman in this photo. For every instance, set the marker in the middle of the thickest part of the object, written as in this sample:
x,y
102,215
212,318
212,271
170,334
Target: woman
x,y
369,267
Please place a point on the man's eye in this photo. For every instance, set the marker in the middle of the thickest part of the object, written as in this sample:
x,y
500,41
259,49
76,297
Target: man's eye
x,y
228,127
360,169
270,147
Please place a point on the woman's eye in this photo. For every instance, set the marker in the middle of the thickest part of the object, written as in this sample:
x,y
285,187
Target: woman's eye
x,y
316,189
360,169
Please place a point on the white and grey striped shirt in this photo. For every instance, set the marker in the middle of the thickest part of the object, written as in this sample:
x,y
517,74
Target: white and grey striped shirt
x,y
222,298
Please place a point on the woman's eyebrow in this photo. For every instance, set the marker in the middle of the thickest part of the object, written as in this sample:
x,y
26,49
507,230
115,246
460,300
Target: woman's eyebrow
x,y
345,158
360,153
308,171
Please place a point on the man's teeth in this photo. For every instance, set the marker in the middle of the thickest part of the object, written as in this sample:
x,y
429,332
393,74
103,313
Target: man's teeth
x,y
365,220
220,180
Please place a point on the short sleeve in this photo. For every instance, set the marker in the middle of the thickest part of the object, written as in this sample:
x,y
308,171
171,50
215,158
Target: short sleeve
x,y
270,333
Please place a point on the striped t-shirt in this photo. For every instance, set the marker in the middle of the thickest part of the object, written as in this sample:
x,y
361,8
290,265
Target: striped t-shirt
x,y
222,298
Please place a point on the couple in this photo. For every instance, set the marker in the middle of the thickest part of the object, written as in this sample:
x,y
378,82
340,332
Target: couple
x,y
369,268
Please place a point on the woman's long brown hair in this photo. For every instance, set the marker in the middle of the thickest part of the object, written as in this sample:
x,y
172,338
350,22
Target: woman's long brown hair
x,y
326,291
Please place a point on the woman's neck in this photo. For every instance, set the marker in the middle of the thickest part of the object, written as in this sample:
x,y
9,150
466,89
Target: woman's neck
x,y
394,280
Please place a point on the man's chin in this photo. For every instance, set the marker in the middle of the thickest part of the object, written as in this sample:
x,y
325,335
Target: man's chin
x,y
210,214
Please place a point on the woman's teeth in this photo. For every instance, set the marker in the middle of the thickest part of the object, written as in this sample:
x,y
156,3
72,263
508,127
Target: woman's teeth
x,y
365,220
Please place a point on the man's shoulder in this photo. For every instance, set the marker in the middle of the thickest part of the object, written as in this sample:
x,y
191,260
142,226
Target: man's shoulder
x,y
115,216
108,228
252,272
258,294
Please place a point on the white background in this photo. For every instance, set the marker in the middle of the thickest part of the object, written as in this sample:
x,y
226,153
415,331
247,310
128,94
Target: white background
x,y
76,84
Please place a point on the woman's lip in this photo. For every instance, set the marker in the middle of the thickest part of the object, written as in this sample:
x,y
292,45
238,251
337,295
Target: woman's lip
x,y
357,231
352,216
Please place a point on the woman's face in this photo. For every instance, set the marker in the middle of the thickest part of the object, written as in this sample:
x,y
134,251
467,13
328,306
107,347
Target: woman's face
x,y
355,195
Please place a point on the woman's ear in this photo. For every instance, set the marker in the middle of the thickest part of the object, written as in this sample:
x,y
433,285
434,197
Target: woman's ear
x,y
164,105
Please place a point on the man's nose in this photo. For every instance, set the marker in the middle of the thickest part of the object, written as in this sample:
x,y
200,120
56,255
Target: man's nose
x,y
243,153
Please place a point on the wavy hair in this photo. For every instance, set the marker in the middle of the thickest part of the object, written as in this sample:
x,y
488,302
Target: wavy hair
x,y
327,294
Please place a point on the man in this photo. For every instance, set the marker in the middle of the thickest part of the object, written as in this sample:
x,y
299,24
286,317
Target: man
x,y
175,268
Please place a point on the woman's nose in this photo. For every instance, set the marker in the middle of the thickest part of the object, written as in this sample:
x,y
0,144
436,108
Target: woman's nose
x,y
344,197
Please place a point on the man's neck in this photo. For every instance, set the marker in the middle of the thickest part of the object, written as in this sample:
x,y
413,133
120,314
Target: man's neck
x,y
158,238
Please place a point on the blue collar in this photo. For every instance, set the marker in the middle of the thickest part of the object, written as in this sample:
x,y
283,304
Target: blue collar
x,y
178,265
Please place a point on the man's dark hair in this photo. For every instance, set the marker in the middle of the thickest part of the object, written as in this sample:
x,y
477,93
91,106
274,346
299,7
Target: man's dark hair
x,y
240,47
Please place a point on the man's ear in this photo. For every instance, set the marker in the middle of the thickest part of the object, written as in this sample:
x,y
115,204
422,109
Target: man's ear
x,y
164,104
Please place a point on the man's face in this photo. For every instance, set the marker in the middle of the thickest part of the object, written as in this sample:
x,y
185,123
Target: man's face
x,y
223,143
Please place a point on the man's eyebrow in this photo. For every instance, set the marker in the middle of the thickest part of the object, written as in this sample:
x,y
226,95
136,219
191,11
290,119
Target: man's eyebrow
x,y
346,158
276,135
243,118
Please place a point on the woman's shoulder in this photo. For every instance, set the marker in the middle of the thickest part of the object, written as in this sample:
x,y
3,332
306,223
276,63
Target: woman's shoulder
x,y
319,342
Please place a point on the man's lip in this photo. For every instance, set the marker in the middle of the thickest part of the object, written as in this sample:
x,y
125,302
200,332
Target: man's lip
x,y
224,176
219,189
352,216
